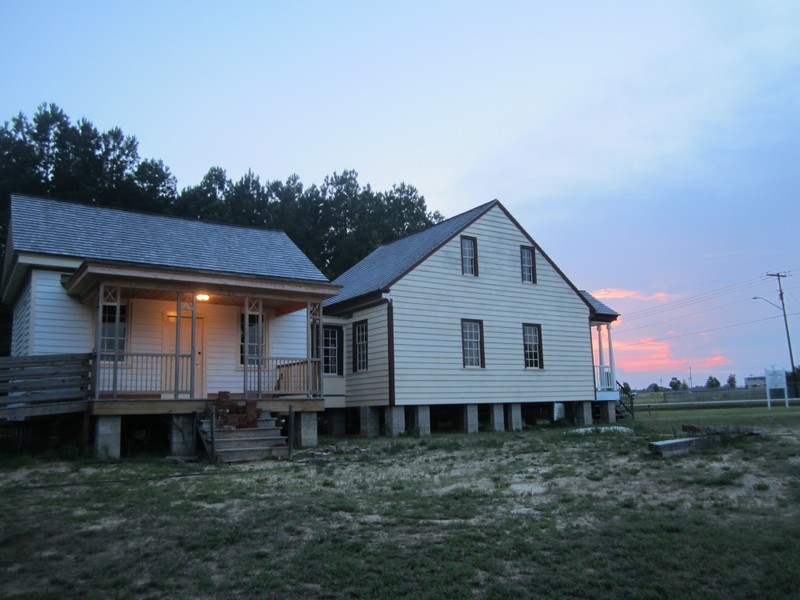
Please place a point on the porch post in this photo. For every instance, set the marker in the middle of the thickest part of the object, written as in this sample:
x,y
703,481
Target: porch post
x,y
108,296
245,344
192,361
253,307
97,341
314,347
600,354
611,358
178,312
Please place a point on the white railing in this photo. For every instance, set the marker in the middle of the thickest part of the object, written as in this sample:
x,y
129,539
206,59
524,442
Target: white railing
x,y
604,378
146,374
150,374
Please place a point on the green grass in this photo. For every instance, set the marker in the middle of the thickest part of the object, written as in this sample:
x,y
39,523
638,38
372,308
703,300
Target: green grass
x,y
545,514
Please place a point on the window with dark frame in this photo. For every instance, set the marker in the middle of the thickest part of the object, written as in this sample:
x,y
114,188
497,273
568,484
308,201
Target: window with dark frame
x,y
469,255
472,343
113,334
527,259
255,343
332,350
360,347
532,345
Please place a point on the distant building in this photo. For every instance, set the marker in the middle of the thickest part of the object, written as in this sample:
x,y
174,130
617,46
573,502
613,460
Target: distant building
x,y
755,382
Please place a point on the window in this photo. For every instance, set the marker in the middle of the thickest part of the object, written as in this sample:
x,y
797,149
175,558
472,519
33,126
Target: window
x,y
469,255
113,334
532,346
360,347
527,260
255,339
332,348
472,343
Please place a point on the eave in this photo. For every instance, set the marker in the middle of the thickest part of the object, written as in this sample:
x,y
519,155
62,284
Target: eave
x,y
83,284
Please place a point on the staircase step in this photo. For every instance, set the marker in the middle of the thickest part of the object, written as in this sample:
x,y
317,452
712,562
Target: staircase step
x,y
251,432
250,454
262,442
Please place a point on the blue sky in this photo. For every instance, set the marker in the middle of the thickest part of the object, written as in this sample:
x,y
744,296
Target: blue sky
x,y
651,148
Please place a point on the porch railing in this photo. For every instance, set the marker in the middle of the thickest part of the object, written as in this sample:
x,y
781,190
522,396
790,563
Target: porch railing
x,y
289,376
604,378
146,374
152,374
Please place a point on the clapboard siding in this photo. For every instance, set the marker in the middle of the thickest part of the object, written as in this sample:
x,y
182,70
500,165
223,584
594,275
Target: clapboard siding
x,y
21,323
430,301
370,387
287,335
59,324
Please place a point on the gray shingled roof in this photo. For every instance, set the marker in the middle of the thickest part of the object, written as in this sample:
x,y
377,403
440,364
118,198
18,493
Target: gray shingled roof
x,y
600,309
88,232
390,262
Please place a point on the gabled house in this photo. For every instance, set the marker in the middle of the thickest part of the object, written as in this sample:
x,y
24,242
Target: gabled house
x,y
171,311
468,320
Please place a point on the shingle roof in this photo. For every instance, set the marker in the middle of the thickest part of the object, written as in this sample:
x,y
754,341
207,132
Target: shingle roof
x,y
390,262
600,309
56,227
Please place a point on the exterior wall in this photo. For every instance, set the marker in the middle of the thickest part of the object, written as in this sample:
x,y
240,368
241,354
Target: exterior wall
x,y
21,323
430,302
370,387
59,324
287,334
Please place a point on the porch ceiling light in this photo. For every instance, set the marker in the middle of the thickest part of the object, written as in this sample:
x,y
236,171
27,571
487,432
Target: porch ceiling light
x,y
203,297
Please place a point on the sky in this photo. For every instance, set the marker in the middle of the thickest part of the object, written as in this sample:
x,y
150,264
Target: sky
x,y
650,148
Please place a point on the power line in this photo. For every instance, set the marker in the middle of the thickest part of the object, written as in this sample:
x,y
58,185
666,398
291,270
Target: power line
x,y
695,299
672,337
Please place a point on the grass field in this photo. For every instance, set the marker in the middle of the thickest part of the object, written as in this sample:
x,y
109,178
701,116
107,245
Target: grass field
x,y
546,513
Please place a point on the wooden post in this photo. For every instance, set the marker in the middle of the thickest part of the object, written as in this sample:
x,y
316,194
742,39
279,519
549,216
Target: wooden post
x,y
290,430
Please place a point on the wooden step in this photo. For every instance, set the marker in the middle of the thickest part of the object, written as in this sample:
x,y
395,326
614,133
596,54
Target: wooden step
x,y
251,454
250,442
252,432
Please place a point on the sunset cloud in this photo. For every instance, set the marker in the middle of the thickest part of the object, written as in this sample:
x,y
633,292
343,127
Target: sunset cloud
x,y
650,356
617,294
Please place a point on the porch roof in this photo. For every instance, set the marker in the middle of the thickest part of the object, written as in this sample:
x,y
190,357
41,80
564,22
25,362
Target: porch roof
x,y
161,284
68,229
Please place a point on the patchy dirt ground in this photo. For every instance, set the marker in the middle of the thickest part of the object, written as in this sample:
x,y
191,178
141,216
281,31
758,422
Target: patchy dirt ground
x,y
354,510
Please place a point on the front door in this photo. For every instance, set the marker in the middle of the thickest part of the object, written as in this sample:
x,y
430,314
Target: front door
x,y
186,348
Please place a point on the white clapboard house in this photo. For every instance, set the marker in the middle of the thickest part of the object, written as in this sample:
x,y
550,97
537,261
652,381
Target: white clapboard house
x,y
468,322
169,312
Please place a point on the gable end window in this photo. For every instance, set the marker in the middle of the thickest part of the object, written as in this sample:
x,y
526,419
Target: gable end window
x,y
532,346
469,255
360,347
332,350
472,343
527,259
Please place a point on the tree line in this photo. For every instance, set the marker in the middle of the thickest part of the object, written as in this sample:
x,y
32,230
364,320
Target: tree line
x,y
336,223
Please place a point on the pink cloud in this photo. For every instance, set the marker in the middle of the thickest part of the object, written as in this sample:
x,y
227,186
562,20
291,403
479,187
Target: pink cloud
x,y
713,361
616,294
650,356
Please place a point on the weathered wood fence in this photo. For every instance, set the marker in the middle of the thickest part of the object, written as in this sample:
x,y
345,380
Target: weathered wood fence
x,y
44,384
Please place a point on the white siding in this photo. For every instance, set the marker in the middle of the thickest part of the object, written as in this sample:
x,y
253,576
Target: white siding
x,y
430,302
370,387
21,323
59,324
287,335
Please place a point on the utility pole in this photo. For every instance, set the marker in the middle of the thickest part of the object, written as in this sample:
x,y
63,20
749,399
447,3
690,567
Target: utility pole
x,y
780,276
